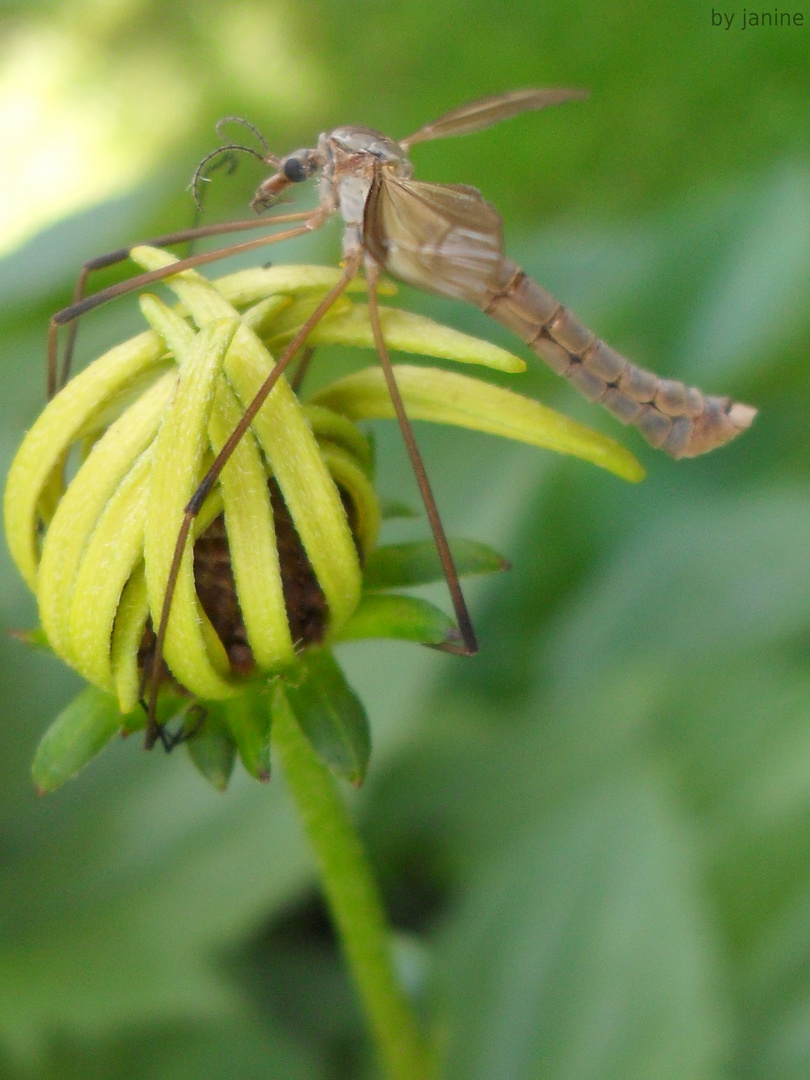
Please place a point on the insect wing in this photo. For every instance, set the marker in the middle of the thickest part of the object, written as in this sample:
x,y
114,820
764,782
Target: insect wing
x,y
444,238
481,114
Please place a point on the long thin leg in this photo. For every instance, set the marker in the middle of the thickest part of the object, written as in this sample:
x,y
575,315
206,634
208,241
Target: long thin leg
x,y
82,304
198,498
298,376
470,646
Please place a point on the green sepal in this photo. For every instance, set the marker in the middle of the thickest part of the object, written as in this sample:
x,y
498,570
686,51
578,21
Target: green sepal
x,y
248,718
403,618
80,731
172,710
396,566
211,746
330,715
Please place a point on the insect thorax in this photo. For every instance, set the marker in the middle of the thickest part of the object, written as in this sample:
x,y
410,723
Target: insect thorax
x,y
362,140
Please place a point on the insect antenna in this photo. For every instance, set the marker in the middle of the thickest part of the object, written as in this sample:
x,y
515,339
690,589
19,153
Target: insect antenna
x,y
223,156
253,130
229,162
227,159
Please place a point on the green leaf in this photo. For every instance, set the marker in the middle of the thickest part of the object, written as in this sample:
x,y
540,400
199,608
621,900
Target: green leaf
x,y
238,1046
406,618
579,952
331,715
416,563
78,733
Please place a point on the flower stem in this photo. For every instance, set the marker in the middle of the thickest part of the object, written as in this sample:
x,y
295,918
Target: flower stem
x,y
354,901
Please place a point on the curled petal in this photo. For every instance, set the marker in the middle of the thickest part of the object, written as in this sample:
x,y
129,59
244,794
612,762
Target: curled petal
x,y
405,332
331,427
287,441
65,418
246,287
192,649
248,512
448,398
353,479
113,551
130,622
83,504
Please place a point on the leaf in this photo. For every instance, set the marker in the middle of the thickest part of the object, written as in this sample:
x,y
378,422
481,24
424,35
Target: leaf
x,y
238,1046
579,953
406,618
416,563
691,582
78,733
331,715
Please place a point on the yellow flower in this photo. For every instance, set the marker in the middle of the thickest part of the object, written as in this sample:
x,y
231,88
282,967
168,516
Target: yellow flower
x,y
96,496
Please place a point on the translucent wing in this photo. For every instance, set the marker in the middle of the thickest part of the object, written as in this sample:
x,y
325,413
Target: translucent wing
x,y
443,238
490,110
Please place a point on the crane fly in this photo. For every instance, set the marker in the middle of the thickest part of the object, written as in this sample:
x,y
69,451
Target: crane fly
x,y
445,239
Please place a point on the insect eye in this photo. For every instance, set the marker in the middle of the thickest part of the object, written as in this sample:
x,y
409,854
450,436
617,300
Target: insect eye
x,y
294,170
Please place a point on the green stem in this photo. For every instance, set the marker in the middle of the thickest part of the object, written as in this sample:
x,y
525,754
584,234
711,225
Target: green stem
x,y
354,900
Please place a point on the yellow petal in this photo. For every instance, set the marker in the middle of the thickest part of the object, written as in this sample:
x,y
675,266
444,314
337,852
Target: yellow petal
x,y
192,650
83,503
130,622
287,441
62,422
248,286
113,551
405,332
248,513
352,479
448,398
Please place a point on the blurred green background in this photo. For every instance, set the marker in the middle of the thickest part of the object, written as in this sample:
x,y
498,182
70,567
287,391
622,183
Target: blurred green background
x,y
594,838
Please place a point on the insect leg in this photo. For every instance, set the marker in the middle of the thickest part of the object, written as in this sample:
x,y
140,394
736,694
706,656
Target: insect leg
x,y
81,303
470,646
298,376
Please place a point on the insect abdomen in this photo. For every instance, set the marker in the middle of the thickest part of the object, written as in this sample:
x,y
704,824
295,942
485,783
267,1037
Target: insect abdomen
x,y
679,419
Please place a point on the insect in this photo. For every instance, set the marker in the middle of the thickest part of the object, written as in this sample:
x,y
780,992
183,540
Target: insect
x,y
446,239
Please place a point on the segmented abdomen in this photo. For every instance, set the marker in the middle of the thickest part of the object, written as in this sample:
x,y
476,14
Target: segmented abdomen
x,y
679,419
